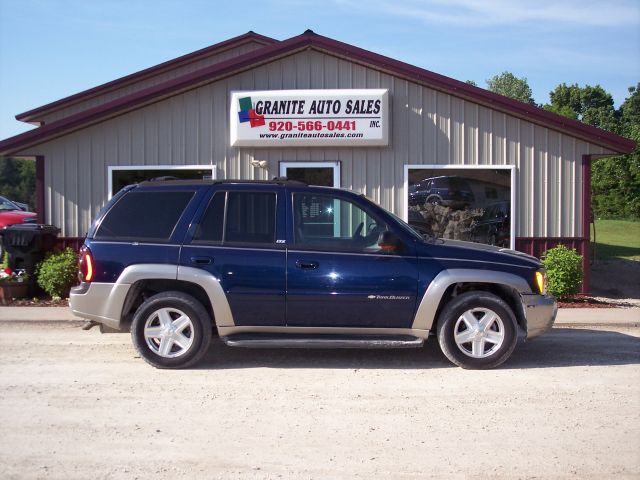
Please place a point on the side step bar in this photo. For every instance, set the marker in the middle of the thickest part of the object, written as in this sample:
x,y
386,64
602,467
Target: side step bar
x,y
257,340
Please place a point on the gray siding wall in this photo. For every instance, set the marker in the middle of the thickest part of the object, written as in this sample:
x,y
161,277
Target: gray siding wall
x,y
427,127
206,61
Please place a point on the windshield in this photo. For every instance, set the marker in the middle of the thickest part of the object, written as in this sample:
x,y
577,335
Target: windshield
x,y
6,205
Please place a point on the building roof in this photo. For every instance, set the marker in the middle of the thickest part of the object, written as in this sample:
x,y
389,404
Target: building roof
x,y
249,37
310,40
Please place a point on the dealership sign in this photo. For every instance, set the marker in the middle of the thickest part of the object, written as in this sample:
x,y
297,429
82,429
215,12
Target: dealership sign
x,y
280,118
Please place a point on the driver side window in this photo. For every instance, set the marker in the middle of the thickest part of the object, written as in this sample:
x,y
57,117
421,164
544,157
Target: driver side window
x,y
324,222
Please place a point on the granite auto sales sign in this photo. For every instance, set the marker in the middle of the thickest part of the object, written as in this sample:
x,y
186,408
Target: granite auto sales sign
x,y
314,118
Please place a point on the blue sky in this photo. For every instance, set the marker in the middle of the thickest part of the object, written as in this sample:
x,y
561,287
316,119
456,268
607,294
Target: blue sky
x,y
53,48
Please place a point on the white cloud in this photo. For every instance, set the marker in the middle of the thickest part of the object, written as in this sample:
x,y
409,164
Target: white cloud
x,y
588,13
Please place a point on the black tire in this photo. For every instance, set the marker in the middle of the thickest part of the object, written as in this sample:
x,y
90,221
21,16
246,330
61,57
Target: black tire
x,y
186,341
483,350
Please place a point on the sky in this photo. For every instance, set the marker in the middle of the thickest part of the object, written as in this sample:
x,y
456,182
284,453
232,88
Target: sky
x,y
50,49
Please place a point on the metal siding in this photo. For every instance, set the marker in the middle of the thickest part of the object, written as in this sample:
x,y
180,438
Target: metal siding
x,y
554,185
485,139
457,131
443,113
527,187
427,127
470,156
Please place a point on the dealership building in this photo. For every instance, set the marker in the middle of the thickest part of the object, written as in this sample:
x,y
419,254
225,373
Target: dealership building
x,y
319,110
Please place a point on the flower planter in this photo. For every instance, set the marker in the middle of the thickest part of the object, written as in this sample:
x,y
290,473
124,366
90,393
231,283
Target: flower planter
x,y
9,290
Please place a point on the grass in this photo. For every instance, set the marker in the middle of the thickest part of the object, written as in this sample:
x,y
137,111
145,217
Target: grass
x,y
617,239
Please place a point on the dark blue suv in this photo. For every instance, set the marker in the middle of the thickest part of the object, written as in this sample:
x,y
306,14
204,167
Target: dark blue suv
x,y
283,264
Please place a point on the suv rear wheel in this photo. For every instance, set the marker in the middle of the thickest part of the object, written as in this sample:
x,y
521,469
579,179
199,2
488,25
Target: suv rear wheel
x,y
171,330
477,330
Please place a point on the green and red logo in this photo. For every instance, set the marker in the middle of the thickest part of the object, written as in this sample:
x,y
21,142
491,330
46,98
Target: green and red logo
x,y
248,114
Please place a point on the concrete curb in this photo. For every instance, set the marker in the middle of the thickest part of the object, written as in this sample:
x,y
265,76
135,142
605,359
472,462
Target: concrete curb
x,y
585,317
575,317
37,314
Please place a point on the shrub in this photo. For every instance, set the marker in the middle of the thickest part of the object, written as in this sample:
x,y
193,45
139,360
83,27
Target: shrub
x,y
564,271
57,273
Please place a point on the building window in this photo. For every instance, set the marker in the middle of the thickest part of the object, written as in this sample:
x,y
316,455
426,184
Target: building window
x,y
470,203
121,176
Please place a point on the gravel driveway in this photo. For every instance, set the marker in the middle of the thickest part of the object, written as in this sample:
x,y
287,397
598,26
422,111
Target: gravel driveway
x,y
76,404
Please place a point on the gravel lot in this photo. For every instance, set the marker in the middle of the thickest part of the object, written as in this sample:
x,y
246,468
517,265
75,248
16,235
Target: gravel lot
x,y
76,404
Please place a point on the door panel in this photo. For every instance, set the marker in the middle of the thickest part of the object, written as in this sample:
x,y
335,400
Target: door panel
x,y
337,275
252,279
234,239
350,290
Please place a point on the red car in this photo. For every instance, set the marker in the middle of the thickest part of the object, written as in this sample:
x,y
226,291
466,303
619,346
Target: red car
x,y
10,214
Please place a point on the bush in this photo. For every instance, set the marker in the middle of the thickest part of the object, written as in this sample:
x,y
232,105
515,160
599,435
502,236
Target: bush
x,y
564,271
57,273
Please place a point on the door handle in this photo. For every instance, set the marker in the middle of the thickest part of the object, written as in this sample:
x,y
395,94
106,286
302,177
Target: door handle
x,y
202,260
307,265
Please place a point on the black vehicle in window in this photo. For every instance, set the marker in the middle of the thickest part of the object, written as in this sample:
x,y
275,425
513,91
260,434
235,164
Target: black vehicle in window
x,y
494,227
448,191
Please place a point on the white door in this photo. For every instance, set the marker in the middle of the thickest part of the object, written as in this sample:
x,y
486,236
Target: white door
x,y
325,174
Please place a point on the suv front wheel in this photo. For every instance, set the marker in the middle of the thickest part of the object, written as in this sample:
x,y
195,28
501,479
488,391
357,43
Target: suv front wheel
x,y
171,330
477,330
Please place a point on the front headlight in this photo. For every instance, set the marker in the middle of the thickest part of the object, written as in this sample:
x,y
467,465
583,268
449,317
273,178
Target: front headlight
x,y
541,282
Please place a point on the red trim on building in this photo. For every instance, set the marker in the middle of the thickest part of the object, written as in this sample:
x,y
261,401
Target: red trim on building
x,y
30,116
536,246
332,47
40,188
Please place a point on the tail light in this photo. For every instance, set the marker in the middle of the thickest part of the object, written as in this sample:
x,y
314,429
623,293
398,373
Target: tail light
x,y
85,265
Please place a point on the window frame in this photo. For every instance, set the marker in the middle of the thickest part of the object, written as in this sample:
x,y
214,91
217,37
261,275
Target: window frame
x,y
513,194
335,165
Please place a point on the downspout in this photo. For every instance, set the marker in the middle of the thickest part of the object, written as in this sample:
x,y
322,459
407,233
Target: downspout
x,y
40,188
586,219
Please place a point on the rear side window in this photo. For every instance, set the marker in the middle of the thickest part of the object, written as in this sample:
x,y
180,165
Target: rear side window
x,y
250,219
146,216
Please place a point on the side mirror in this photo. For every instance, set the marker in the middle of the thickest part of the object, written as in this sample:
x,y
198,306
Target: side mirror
x,y
389,242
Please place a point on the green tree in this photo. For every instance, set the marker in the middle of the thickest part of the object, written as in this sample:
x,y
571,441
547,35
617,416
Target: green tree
x,y
509,85
630,109
591,105
615,181
18,180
